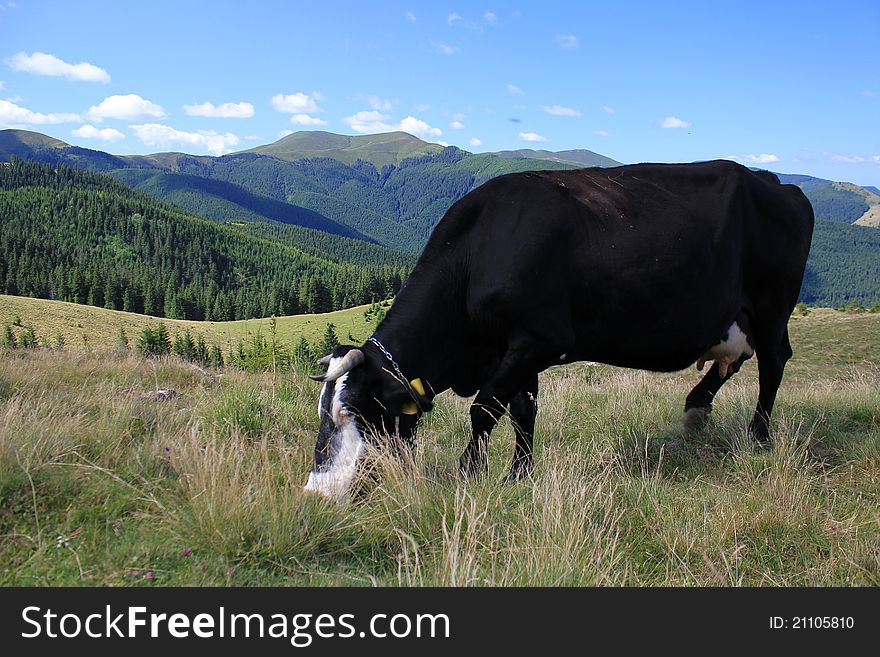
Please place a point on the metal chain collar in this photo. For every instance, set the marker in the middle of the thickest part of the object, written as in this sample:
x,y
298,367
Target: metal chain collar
x,y
390,358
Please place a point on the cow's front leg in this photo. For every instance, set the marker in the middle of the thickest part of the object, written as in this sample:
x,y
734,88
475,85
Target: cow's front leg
x,y
485,412
516,373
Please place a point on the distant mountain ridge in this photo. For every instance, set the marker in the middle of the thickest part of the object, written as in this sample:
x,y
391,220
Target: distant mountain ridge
x,y
302,197
578,156
389,188
379,149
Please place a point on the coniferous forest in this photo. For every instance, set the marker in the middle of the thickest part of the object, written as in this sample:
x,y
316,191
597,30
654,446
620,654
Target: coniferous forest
x,y
83,237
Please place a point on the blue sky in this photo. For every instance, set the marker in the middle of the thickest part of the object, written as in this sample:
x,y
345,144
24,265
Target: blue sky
x,y
792,86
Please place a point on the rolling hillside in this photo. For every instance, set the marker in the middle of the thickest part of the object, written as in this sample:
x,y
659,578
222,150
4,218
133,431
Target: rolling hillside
x,y
224,201
87,238
86,328
380,150
391,188
580,156
328,189
838,201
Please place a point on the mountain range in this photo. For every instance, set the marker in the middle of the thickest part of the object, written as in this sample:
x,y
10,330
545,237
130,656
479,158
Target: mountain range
x,y
382,194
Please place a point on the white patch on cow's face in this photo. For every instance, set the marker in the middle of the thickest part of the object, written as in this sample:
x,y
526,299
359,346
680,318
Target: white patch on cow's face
x,y
727,352
334,481
336,475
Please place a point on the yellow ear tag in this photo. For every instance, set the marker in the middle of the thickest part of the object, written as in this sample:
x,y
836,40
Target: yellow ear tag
x,y
411,408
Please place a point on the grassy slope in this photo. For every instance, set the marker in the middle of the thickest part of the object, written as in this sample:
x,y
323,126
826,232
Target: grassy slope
x,y
379,149
98,485
96,329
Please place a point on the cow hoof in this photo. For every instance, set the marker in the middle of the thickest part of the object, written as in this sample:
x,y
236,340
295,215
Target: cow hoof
x,y
695,419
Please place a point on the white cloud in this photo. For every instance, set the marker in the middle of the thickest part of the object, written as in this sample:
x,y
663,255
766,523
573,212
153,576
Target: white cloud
x,y
456,125
513,90
297,103
875,159
475,142
224,111
305,119
15,116
443,48
422,107
301,106
869,93
601,133
2,86
368,122
751,158
559,110
608,110
91,132
418,127
284,133
674,122
166,137
411,17
531,136
567,41
130,107
41,63
847,159
488,19
459,116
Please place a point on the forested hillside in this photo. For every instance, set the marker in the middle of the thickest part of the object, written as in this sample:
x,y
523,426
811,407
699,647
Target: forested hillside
x,y
83,237
844,265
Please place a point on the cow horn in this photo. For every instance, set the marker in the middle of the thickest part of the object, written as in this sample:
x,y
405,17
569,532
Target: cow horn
x,y
325,360
351,360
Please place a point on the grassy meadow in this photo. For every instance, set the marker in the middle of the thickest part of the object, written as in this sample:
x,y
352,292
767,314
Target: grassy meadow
x,y
91,329
100,485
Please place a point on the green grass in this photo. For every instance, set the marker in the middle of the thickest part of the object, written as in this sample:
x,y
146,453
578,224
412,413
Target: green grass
x,y
99,485
86,328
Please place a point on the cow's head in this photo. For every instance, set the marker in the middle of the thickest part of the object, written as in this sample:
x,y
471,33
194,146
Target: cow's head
x,y
362,398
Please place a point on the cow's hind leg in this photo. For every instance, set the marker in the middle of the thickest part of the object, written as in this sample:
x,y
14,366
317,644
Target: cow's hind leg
x,y
698,404
523,410
773,353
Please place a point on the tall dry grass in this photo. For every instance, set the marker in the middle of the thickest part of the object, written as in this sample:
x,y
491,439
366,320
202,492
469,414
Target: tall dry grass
x,y
621,495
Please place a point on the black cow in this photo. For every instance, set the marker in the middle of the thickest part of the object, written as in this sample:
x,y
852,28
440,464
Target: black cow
x,y
649,266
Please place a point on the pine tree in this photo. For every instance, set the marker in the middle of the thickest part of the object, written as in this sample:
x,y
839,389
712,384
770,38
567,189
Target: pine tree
x,y
216,356
151,307
200,351
154,341
329,342
122,343
28,338
9,337
303,357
